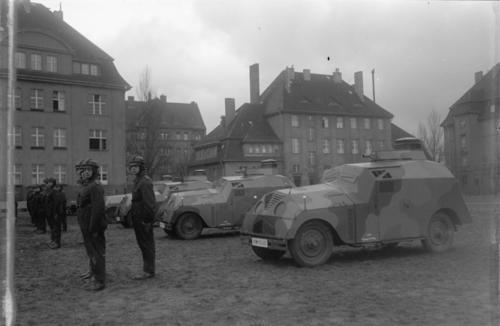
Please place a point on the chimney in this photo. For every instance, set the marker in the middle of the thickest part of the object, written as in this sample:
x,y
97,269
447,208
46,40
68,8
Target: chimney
x,y
337,76
358,84
163,98
289,76
130,98
478,76
254,84
230,110
307,74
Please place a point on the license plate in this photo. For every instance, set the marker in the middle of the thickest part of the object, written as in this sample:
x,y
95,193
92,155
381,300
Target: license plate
x,y
162,225
258,242
118,218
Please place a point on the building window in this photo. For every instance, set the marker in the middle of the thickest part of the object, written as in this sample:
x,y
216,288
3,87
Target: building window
x,y
85,69
20,60
18,137
295,146
97,139
492,108
77,68
340,122
178,135
354,123
36,99
324,122
60,138
37,174
311,158
60,173
296,168
186,135
380,123
463,142
36,61
94,71
197,137
310,134
51,63
37,137
354,146
103,174
96,104
58,101
368,147
381,144
340,146
367,123
326,146
17,98
18,177
295,120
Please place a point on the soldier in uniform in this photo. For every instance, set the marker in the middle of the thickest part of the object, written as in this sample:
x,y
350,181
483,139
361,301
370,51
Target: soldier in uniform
x,y
29,203
92,220
37,209
61,206
50,213
143,212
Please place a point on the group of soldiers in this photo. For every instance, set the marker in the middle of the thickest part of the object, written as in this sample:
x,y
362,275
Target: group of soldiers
x,y
46,205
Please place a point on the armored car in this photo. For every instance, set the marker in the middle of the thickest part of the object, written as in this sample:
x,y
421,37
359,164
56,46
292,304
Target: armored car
x,y
397,196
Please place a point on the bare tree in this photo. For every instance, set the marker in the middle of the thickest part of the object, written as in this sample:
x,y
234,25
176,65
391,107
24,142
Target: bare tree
x,y
431,135
145,90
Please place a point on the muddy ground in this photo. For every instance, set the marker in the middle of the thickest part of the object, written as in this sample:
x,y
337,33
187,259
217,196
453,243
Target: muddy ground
x,y
216,280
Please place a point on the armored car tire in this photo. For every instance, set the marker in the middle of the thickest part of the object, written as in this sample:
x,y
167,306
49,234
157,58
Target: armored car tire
x,y
188,226
268,254
312,245
440,233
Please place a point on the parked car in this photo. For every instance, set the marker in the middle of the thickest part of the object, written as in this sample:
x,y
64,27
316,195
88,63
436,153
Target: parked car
x,y
398,196
162,189
185,214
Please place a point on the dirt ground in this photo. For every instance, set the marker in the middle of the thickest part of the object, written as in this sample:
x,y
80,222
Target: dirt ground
x,y
216,280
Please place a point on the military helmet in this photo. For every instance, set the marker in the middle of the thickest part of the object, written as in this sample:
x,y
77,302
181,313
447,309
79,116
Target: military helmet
x,y
88,162
136,160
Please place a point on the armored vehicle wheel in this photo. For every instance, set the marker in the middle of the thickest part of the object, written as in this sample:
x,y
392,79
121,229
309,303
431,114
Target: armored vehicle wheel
x,y
313,244
188,226
440,233
268,254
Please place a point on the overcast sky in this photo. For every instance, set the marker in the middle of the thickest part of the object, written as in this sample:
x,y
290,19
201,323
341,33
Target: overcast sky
x,y
424,53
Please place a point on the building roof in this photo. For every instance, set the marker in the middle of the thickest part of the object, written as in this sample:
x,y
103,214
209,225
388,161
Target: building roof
x,y
34,17
397,132
322,95
476,99
171,115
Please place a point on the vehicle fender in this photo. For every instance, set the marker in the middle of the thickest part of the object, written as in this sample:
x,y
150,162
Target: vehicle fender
x,y
331,219
186,209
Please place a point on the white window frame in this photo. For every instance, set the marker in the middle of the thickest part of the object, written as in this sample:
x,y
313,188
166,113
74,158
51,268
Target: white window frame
x,y
51,63
380,123
18,136
340,122
84,69
17,174
368,147
60,172
59,98
36,99
310,134
326,146
381,144
186,135
17,98
340,146
36,61
325,122
367,123
294,120
100,135
354,123
20,60
103,174
96,104
311,158
94,70
354,146
37,173
38,137
295,146
60,137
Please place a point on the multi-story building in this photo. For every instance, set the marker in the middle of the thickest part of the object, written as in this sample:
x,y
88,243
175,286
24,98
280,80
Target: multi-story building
x,y
164,133
69,101
306,122
471,135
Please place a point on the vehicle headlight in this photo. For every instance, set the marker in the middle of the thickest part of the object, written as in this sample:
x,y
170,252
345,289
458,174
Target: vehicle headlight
x,y
279,209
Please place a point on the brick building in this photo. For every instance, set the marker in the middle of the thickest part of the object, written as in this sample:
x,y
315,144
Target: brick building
x,y
69,101
306,122
471,135
164,133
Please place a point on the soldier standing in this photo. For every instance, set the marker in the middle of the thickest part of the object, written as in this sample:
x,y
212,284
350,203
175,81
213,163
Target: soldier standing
x,y
143,210
61,206
37,209
92,221
50,213
29,204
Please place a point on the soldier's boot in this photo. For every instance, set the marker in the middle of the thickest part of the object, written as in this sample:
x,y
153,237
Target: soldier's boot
x,y
143,276
95,286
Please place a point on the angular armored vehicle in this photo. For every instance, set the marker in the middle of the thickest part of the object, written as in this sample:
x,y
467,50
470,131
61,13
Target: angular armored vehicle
x,y
185,214
398,196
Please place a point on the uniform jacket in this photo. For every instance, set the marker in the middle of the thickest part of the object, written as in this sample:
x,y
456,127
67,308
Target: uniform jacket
x,y
60,203
143,199
49,201
91,208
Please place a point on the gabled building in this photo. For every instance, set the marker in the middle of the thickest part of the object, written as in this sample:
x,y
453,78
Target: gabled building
x,y
69,101
312,122
164,133
471,135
